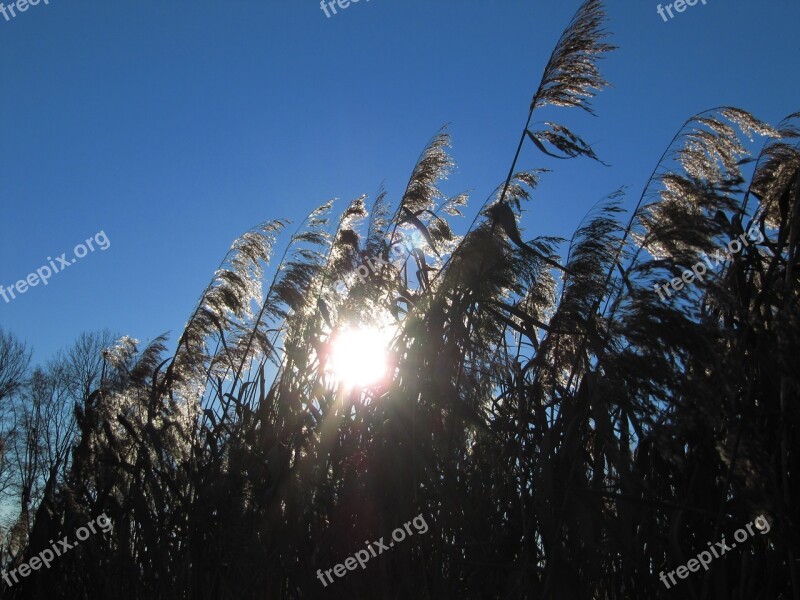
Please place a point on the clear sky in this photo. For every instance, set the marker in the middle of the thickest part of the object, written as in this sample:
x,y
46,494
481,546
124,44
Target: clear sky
x,y
175,126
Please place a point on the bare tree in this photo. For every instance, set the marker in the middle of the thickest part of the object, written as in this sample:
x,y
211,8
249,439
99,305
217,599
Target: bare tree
x,y
42,420
44,423
82,363
14,361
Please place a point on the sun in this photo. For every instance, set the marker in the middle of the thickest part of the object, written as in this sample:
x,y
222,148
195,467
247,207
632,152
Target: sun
x,y
359,356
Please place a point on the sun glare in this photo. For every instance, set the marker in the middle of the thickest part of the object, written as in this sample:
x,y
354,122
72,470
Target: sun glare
x,y
358,357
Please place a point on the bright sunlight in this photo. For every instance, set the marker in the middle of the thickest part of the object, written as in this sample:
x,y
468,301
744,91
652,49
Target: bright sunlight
x,y
358,357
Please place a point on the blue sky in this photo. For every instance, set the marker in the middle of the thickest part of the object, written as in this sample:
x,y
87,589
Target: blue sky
x,y
174,126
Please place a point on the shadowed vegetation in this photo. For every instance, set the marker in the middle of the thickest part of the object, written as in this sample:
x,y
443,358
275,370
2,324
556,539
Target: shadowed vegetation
x,y
564,432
